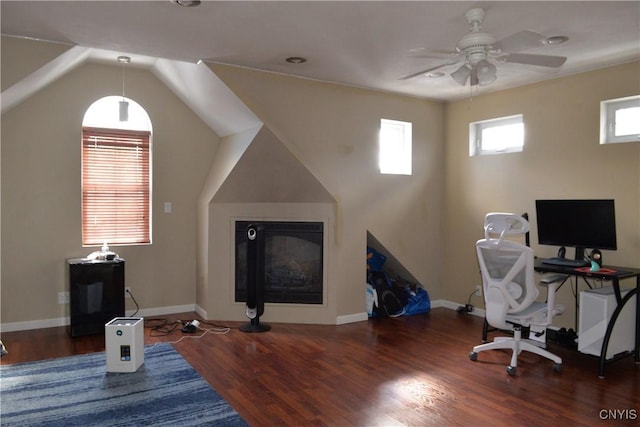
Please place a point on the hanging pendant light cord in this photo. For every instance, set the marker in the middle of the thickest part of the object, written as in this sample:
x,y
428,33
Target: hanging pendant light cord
x,y
123,111
123,81
124,60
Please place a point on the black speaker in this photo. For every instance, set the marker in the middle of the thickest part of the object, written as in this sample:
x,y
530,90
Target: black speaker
x,y
562,252
255,279
596,255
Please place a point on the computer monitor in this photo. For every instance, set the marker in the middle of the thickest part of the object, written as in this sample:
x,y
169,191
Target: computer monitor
x,y
577,223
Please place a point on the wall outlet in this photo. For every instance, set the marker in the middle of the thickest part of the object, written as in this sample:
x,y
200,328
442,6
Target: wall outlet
x,y
479,290
63,297
127,289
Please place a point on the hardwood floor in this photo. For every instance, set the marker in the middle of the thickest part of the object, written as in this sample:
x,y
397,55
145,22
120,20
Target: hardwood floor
x,y
407,371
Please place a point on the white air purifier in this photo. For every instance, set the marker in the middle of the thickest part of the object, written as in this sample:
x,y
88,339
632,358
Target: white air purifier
x,y
596,307
124,343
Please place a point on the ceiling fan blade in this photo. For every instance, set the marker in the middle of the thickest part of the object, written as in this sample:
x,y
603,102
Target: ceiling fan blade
x,y
531,59
410,76
435,53
519,41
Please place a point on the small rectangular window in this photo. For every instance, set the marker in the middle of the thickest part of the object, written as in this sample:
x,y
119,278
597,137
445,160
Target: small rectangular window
x,y
395,147
496,136
620,120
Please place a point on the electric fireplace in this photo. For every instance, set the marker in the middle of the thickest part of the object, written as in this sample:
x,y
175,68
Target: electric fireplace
x,y
293,261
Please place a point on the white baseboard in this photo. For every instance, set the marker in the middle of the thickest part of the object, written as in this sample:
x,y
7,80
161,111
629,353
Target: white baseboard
x,y
160,311
34,324
441,303
202,312
352,318
454,306
65,321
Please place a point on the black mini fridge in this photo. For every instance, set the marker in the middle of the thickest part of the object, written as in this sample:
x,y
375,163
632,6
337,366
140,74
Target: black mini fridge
x,y
96,294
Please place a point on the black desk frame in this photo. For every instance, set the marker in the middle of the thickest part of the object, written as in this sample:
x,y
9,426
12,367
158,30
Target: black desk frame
x,y
620,273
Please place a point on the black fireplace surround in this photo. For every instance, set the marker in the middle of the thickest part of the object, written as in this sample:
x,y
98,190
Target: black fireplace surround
x,y
293,252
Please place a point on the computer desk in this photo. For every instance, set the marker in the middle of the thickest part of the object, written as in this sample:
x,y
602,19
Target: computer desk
x,y
613,274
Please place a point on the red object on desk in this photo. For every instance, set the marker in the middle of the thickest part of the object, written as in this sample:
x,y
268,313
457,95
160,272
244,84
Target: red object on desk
x,y
602,270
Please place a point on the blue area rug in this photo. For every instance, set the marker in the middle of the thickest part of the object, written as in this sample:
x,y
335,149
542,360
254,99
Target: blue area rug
x,y
78,390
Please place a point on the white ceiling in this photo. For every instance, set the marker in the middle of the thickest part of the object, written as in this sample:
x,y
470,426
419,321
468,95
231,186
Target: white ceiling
x,y
365,44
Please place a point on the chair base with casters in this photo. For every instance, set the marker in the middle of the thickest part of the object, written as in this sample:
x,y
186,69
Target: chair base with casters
x,y
510,292
517,344
537,314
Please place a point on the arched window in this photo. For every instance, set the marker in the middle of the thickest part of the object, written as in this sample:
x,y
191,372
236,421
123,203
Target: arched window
x,y
116,174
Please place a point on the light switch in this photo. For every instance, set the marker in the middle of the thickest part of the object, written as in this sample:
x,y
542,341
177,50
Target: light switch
x,y
167,207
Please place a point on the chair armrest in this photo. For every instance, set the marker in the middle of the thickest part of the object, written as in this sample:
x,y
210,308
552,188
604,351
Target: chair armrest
x,y
552,286
547,279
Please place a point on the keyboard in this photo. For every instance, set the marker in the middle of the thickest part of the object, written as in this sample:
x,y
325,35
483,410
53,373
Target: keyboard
x,y
566,262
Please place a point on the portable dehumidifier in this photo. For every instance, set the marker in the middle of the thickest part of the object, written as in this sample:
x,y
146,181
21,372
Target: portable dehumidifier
x,y
124,343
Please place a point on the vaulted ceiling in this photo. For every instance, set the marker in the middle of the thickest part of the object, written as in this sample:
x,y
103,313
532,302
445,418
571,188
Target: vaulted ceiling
x,y
365,44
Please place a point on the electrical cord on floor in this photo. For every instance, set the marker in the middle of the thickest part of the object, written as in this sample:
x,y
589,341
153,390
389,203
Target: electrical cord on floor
x,y
161,327
217,325
165,328
214,330
134,301
194,325
470,295
467,308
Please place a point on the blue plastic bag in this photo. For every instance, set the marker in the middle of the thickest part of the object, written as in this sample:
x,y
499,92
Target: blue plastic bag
x,y
419,302
375,260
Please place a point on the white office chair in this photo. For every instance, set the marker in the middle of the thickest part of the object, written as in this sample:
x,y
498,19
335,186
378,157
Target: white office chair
x,y
510,291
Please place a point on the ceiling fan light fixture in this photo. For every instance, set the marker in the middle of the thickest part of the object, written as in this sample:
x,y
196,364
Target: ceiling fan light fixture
x,y
461,75
486,72
479,51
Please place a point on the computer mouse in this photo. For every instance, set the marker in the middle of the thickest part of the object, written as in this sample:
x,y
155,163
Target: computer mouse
x,y
594,266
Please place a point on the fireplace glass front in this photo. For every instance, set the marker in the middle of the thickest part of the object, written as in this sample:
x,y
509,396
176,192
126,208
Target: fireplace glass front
x,y
293,254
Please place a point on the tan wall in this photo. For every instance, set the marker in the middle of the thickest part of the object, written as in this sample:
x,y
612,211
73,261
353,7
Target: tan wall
x,y
562,158
333,130
20,57
41,191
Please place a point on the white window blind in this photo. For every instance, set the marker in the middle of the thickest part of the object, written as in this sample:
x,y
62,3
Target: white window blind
x,y
115,186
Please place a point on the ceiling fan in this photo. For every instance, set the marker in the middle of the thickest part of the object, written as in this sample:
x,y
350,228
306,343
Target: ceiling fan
x,y
477,47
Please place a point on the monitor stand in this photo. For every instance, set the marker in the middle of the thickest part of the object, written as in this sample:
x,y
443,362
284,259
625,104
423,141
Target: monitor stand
x,y
579,253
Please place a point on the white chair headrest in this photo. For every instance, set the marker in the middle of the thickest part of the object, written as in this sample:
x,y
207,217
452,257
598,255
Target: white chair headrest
x,y
503,224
